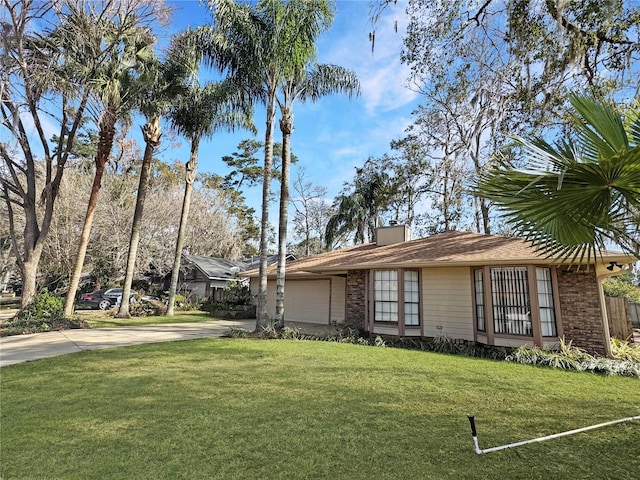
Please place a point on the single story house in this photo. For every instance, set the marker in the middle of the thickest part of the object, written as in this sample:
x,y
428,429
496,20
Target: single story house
x,y
207,277
476,288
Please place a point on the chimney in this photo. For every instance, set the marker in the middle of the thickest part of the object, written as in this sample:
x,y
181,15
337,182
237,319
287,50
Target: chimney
x,y
394,233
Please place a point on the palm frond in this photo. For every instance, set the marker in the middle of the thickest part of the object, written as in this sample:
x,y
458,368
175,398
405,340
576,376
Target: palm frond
x,y
567,203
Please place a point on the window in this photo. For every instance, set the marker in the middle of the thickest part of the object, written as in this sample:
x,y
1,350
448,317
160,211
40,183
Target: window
x,y
478,279
411,298
545,300
385,292
511,290
510,297
396,296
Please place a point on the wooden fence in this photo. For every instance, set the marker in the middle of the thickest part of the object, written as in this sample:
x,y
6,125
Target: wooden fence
x,y
634,310
619,311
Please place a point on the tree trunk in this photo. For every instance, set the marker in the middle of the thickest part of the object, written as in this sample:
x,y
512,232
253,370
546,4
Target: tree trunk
x,y
191,167
105,142
29,272
151,133
484,210
286,126
261,311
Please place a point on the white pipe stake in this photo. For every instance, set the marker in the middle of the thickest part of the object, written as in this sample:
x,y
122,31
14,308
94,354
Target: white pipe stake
x,y
540,439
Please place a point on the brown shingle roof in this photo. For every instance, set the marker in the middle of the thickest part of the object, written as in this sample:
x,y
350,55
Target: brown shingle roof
x,y
444,249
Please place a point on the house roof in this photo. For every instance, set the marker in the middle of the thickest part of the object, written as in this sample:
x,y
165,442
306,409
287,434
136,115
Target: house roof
x,y
254,262
444,249
215,268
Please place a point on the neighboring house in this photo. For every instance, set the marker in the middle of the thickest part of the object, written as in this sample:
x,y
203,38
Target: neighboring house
x,y
254,262
207,277
471,287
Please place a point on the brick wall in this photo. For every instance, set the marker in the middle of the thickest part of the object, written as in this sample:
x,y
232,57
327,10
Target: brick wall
x,y
356,298
580,309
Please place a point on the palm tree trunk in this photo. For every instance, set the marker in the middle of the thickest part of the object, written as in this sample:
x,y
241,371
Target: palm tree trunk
x,y
105,142
151,133
286,126
191,167
261,311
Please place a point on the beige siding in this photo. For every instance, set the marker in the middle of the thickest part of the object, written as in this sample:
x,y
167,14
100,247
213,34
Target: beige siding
x,y
512,342
447,302
338,299
382,330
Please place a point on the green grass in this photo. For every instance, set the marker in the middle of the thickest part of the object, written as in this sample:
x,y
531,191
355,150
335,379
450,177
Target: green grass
x,y
100,319
252,409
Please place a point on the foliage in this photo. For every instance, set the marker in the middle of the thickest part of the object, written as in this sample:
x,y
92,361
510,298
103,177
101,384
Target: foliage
x,y
573,199
488,70
360,206
146,308
43,314
237,293
43,305
624,350
214,227
625,361
622,286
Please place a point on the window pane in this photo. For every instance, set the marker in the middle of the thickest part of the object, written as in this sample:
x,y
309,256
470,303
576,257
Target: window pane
x,y
411,298
385,292
510,296
545,299
479,293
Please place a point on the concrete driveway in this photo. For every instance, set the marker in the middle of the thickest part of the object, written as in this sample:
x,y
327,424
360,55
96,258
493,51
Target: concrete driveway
x,y
24,348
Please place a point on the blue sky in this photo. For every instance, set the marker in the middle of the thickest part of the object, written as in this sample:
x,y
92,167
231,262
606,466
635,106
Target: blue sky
x,y
334,135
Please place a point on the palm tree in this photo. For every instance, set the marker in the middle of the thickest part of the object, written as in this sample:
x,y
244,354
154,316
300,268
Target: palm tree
x,y
261,45
574,198
310,85
159,83
122,44
198,113
359,210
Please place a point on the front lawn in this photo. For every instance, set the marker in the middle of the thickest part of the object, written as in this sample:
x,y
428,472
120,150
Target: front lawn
x,y
101,319
258,409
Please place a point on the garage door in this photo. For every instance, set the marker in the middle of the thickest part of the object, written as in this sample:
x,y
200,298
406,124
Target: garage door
x,y
307,301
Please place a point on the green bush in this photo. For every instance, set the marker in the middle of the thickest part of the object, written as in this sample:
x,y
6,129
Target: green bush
x,y
237,293
621,286
43,305
43,314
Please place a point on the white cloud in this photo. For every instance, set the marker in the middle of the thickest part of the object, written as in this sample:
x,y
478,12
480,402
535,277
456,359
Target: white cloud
x,y
383,77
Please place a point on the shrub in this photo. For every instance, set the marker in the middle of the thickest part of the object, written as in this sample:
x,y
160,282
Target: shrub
x,y
43,314
622,286
568,357
623,350
147,308
43,305
237,293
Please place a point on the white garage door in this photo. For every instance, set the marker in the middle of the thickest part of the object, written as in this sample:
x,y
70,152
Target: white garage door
x,y
307,301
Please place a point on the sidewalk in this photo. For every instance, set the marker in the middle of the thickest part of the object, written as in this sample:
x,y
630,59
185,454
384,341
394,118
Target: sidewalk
x,y
24,348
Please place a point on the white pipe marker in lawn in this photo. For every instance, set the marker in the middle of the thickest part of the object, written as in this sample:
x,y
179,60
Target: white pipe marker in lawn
x,y
539,439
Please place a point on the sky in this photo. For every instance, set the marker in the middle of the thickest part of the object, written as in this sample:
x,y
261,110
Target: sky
x,y
336,134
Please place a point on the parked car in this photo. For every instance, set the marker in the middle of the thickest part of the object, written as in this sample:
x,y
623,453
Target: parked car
x,y
96,300
102,299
